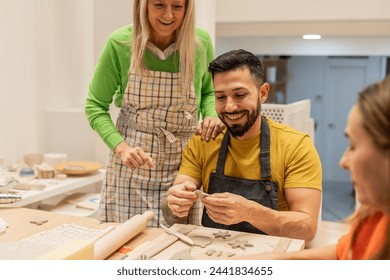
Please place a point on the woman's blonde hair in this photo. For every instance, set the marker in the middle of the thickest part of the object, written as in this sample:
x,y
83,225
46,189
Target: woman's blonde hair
x,y
185,36
374,105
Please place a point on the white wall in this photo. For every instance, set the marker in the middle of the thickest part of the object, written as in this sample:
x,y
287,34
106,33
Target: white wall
x,y
300,10
20,103
351,27
108,16
44,57
206,16
62,40
49,49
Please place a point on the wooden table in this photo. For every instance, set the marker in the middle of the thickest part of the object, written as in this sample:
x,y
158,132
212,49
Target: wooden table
x,y
147,235
20,227
71,183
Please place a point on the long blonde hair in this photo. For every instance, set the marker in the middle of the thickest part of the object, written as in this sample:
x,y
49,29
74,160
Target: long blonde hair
x,y
186,40
374,105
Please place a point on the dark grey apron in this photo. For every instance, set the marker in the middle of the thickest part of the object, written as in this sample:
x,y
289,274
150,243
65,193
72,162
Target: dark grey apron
x,y
262,191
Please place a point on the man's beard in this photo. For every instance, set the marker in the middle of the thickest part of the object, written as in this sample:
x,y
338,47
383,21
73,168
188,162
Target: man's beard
x,y
238,130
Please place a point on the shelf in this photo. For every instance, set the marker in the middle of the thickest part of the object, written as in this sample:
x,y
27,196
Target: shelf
x,y
275,70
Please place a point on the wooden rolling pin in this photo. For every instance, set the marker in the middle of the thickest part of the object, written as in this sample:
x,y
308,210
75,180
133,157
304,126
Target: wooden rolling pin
x,y
110,242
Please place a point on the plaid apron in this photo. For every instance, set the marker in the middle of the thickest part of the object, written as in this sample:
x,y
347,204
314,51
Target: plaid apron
x,y
160,117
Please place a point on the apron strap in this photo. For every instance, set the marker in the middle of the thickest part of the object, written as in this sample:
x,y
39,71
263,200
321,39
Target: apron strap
x,y
265,154
265,158
222,154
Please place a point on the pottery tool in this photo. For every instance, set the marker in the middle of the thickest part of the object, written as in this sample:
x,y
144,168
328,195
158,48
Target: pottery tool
x,y
161,243
179,235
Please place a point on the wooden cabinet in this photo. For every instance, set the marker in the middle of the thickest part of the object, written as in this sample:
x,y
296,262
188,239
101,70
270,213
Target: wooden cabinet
x,y
275,70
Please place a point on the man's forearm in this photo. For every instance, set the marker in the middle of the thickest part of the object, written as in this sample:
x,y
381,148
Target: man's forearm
x,y
282,223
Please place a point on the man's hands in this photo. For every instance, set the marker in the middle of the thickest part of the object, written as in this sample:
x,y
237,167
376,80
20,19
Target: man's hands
x,y
227,208
181,197
223,208
210,127
133,157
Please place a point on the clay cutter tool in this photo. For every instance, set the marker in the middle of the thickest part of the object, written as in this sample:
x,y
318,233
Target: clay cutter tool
x,y
179,235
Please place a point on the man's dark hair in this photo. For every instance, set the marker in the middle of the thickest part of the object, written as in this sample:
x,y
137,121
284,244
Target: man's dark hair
x,y
239,59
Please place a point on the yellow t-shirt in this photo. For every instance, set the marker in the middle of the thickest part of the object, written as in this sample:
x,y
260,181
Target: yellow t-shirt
x,y
294,159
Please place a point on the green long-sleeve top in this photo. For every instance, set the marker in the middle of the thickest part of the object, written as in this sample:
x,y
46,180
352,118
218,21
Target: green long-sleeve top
x,y
111,77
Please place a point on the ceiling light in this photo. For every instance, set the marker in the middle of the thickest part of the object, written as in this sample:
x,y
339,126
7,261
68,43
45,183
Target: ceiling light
x,y
311,37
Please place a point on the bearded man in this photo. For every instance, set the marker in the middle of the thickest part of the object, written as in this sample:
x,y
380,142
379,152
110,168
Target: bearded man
x,y
260,176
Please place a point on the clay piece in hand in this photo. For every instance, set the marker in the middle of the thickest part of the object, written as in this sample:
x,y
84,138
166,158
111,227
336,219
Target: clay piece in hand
x,y
200,194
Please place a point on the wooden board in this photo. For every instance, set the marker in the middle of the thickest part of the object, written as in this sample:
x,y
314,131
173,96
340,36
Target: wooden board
x,y
237,244
20,227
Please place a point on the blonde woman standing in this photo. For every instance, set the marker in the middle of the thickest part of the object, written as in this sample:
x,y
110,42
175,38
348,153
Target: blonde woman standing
x,y
155,70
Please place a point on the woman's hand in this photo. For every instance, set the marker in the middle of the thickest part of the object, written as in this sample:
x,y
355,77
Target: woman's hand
x,y
210,127
133,157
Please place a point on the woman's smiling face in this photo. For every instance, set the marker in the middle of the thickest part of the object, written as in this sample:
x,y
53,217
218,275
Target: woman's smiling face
x,y
165,17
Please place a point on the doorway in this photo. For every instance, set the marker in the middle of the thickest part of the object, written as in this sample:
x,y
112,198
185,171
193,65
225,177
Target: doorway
x,y
345,78
332,85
